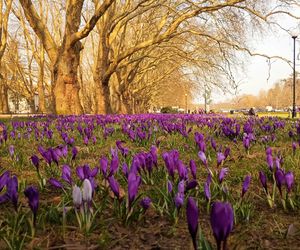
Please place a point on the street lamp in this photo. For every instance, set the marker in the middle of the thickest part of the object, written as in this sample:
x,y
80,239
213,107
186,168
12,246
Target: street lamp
x,y
294,36
186,107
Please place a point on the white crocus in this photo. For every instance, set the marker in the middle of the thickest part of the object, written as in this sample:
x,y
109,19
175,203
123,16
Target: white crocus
x,y
87,190
77,196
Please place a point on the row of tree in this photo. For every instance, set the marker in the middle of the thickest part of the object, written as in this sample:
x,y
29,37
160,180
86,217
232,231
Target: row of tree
x,y
280,96
123,56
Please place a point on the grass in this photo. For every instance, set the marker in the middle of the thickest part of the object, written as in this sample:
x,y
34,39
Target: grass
x,y
157,227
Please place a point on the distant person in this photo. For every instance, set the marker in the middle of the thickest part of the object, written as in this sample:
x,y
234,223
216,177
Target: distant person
x,y
251,111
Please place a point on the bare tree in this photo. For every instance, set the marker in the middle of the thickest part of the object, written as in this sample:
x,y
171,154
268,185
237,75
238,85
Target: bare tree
x,y
4,17
65,57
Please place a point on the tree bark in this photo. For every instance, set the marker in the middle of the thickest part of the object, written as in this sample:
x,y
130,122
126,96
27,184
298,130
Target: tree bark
x,y
41,87
66,85
4,108
103,104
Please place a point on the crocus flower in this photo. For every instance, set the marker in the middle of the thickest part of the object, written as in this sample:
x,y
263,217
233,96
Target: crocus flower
x,y
213,144
246,142
3,179
87,191
33,200
222,174
170,186
227,152
221,220
74,152
66,174
77,196
202,157
269,151
193,168
289,181
263,180
55,183
12,190
114,185
191,185
179,199
11,150
114,164
220,158
246,184
192,219
207,190
104,165
270,161
125,169
280,179
145,203
277,163
54,155
35,161
133,185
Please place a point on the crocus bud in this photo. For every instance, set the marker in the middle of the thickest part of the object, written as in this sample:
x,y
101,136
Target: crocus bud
x,y
192,219
145,203
87,190
246,184
77,196
221,220
289,181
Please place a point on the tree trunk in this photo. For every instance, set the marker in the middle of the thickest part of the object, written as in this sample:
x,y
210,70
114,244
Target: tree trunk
x,y
4,108
103,105
41,88
66,85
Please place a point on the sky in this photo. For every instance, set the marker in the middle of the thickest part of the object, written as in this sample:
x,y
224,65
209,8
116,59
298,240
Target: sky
x,y
256,75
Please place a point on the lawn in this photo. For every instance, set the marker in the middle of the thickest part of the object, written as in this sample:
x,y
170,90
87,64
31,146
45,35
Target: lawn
x,y
135,167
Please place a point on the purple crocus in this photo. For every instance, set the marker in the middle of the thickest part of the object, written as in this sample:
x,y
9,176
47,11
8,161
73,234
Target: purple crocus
x,y
220,158
133,185
270,161
289,181
280,180
207,191
263,180
12,190
103,166
3,179
114,164
145,203
125,170
227,152
192,215
114,185
33,200
222,174
193,168
213,144
221,220
202,157
246,142
66,174
35,161
246,184
170,186
191,185
11,150
74,152
179,200
55,183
